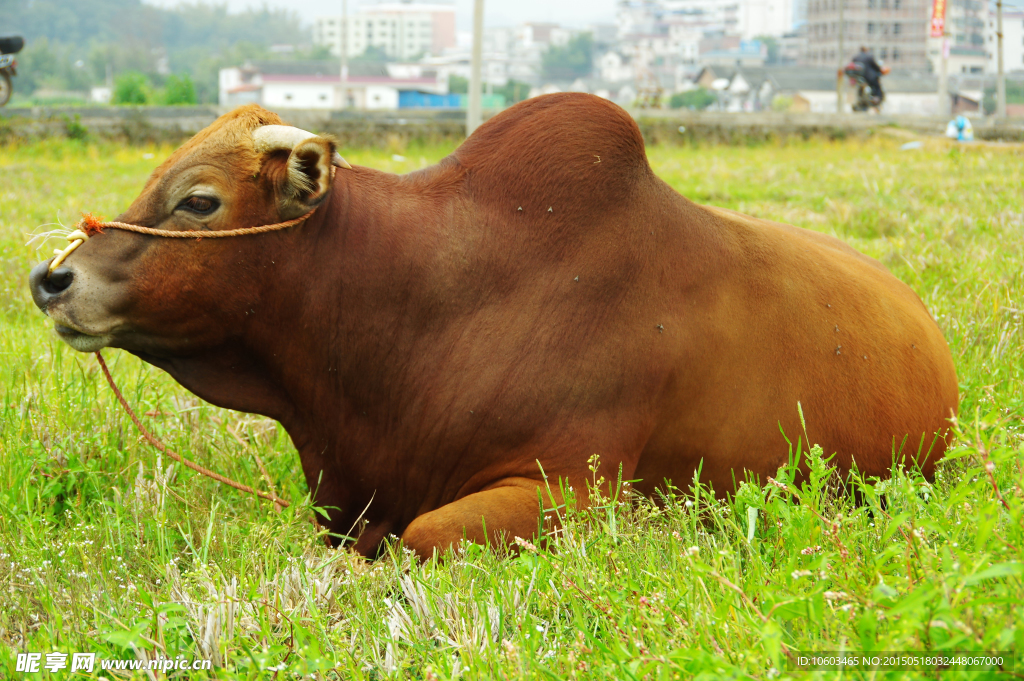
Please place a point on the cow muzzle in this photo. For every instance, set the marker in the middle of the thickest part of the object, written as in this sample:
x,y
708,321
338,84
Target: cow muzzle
x,y
51,292
47,287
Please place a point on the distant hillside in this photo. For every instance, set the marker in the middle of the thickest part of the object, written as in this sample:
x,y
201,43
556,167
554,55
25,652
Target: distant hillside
x,y
74,45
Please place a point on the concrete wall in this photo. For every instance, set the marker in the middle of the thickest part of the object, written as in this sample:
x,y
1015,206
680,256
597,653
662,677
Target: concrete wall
x,y
375,128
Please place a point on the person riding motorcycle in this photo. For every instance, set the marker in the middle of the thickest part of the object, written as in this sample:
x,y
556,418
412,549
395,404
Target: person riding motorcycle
x,y
9,46
863,66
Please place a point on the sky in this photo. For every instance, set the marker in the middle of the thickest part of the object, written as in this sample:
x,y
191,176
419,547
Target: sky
x,y
574,13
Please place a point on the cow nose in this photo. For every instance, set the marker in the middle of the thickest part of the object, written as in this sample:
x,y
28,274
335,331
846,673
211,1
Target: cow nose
x,y
46,285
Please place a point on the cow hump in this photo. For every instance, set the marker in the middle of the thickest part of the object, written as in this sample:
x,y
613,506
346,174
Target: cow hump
x,y
567,152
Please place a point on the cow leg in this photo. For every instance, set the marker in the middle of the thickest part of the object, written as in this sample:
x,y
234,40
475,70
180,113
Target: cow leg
x,y
508,509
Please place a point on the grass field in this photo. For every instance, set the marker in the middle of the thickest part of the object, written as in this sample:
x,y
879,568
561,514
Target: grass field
x,y
107,548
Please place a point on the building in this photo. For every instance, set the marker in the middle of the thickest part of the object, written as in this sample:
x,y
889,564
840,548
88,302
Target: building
x,y
509,53
614,68
750,54
965,31
318,85
896,31
747,19
403,30
1013,41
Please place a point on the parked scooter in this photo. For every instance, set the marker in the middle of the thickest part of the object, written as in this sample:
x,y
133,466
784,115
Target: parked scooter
x,y
9,47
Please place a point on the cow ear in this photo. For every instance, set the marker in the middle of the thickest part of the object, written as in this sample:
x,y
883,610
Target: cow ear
x,y
308,179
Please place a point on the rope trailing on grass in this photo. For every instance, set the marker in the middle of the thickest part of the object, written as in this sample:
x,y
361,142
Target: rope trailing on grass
x,y
174,455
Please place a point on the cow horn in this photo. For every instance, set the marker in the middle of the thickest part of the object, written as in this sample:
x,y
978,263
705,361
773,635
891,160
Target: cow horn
x,y
271,137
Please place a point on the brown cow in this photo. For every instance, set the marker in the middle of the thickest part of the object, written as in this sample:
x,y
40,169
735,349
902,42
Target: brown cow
x,y
539,296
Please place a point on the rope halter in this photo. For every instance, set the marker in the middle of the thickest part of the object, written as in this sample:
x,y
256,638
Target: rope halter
x,y
90,225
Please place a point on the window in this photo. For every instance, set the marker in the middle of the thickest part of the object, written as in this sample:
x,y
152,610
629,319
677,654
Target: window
x,y
895,54
871,28
896,29
884,52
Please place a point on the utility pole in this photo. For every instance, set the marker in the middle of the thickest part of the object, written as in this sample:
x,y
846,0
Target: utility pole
x,y
473,113
1000,74
938,30
343,34
842,60
944,77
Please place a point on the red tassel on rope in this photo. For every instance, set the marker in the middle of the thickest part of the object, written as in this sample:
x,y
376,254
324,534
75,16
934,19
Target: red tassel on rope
x,y
91,224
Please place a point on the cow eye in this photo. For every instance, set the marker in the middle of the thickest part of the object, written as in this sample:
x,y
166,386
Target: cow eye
x,y
200,205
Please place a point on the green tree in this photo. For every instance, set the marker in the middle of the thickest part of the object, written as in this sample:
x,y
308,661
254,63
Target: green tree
x,y
692,99
131,87
772,44
113,36
48,64
570,61
457,85
371,55
514,91
179,90
315,53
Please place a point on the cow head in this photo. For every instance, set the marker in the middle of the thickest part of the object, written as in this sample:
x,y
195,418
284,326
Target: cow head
x,y
162,297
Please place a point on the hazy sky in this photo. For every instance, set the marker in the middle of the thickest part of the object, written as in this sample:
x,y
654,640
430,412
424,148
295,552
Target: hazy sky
x,y
496,12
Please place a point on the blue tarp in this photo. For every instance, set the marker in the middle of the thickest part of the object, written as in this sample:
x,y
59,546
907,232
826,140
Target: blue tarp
x,y
426,100
411,99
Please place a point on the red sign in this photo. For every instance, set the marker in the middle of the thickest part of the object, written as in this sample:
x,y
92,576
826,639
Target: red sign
x,y
938,18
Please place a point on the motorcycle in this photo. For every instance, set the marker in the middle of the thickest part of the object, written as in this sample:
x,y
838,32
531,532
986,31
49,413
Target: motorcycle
x,y
9,47
864,100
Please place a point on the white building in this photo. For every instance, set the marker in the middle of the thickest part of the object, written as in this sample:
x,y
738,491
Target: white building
x,y
1013,41
614,68
745,18
509,53
494,66
403,30
301,86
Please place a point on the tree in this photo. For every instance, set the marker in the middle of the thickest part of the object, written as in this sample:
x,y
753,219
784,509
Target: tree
x,y
457,85
514,91
570,61
131,87
773,47
692,99
114,36
47,64
179,90
373,54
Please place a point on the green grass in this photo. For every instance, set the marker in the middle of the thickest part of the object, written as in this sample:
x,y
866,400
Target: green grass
x,y
107,548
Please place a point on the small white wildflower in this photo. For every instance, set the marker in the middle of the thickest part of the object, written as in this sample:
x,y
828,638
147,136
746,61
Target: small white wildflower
x,y
525,544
